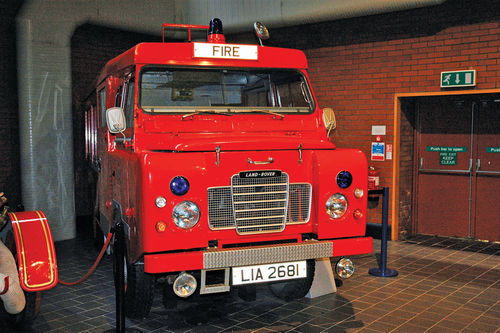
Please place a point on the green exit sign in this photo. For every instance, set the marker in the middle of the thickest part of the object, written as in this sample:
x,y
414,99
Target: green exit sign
x,y
458,79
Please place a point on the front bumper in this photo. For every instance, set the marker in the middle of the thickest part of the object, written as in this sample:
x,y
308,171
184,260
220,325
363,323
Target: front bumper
x,y
256,255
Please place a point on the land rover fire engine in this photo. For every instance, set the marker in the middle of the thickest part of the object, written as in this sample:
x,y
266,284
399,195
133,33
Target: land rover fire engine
x,y
217,159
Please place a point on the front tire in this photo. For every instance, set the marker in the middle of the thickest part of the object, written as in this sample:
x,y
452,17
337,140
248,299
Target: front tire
x,y
139,291
297,288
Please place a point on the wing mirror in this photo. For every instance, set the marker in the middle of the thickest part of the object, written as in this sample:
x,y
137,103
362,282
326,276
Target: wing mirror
x,y
115,119
261,32
329,120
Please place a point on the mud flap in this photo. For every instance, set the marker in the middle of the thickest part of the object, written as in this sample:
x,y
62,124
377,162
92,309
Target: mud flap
x,y
36,255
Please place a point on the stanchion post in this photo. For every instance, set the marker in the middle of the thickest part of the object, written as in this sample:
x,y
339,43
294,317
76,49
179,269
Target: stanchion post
x,y
119,273
382,270
119,254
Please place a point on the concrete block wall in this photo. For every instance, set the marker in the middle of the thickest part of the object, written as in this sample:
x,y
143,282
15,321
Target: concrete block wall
x,y
10,181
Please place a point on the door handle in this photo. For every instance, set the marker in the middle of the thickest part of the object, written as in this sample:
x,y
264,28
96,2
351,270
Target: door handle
x,y
485,172
269,161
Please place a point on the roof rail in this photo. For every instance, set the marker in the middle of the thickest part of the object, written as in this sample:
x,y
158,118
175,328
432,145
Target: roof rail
x,y
182,26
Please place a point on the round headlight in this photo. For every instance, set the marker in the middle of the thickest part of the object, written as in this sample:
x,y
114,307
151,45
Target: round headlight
x,y
185,285
344,179
186,214
336,206
160,202
179,185
345,268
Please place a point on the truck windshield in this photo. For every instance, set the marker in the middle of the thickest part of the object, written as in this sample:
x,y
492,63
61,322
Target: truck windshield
x,y
226,90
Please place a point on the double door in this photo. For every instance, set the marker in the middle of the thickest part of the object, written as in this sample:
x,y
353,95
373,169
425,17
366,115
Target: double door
x,y
458,166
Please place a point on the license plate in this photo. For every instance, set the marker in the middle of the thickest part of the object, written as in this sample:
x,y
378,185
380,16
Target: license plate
x,y
269,272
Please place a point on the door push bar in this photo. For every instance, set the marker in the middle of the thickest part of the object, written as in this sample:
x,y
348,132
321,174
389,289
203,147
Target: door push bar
x,y
445,170
485,172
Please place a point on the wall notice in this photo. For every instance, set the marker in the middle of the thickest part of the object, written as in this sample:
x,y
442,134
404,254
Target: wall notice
x,y
378,151
388,153
446,149
447,158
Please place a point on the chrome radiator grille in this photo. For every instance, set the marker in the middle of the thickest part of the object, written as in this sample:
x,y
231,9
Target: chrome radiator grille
x,y
258,205
299,203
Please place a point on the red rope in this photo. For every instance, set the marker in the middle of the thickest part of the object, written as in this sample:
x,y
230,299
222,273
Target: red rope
x,y
92,269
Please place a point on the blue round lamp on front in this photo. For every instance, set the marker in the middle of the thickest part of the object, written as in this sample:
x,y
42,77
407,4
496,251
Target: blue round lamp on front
x,y
344,179
179,185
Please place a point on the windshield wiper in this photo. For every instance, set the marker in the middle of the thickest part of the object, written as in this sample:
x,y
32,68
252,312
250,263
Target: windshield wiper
x,y
200,111
259,110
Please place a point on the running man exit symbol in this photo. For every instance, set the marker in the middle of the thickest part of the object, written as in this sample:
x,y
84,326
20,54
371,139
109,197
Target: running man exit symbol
x,y
458,79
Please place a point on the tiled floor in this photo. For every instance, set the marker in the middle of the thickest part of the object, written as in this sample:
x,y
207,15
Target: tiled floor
x,y
444,285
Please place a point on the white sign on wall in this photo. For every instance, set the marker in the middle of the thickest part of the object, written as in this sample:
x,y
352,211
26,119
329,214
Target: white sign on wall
x,y
378,130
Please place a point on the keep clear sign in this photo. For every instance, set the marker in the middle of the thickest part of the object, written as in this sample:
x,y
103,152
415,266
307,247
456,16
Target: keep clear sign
x,y
447,155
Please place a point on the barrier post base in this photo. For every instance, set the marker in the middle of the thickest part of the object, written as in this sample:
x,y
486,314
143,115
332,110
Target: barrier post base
x,y
383,272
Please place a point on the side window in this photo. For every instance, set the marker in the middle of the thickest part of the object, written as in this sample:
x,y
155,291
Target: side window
x,y
129,105
118,96
102,106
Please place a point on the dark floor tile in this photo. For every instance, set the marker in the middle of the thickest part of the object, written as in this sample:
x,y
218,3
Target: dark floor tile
x,y
296,319
382,326
421,321
480,326
237,329
441,329
406,328
325,321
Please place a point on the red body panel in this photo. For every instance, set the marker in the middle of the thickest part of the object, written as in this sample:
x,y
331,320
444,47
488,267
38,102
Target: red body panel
x,y
35,250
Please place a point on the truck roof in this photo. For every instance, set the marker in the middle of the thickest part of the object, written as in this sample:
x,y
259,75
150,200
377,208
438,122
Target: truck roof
x,y
182,54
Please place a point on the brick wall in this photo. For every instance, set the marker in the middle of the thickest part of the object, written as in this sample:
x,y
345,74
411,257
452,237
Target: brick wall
x,y
359,80
91,47
406,165
357,66
10,181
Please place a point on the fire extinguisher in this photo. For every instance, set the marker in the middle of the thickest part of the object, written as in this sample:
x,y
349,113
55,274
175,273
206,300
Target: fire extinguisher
x,y
373,179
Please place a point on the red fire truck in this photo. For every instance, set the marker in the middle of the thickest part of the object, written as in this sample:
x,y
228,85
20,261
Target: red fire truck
x,y
217,159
